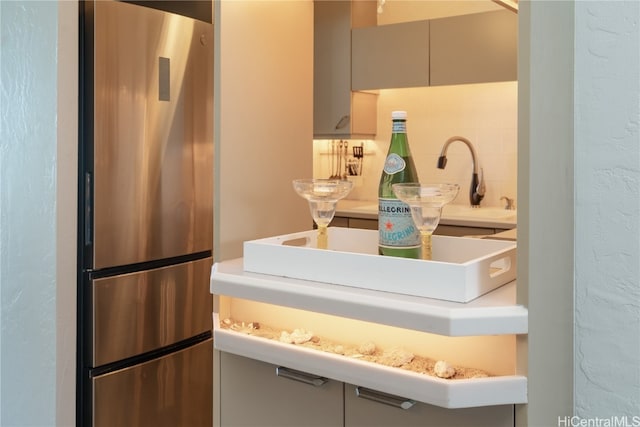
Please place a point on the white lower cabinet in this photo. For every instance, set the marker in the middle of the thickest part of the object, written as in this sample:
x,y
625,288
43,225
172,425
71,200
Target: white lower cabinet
x,y
256,393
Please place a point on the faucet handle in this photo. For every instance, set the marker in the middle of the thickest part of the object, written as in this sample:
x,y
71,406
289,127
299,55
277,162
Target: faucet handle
x,y
481,188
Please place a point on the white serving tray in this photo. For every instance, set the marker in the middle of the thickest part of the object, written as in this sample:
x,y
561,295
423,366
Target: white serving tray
x,y
464,393
462,269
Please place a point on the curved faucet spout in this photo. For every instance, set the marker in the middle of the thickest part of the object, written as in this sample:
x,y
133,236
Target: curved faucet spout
x,y
477,189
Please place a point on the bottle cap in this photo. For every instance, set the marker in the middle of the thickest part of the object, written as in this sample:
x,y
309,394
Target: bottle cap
x,y
398,115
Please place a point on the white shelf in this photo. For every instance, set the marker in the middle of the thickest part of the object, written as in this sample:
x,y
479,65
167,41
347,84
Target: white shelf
x,y
494,313
462,393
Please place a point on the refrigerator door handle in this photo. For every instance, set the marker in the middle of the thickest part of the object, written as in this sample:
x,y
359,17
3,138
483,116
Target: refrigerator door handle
x,y
87,208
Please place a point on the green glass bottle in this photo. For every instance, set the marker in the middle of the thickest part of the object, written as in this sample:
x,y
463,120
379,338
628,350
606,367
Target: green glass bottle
x,y
398,235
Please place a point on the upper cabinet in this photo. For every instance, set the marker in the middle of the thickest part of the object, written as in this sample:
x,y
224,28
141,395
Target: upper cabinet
x,y
390,56
478,48
338,111
474,48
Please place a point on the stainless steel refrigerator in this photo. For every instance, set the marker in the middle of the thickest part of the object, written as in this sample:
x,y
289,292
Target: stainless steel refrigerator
x,y
145,214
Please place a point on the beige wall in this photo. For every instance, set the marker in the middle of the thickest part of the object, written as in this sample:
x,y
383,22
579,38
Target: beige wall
x,y
486,114
263,126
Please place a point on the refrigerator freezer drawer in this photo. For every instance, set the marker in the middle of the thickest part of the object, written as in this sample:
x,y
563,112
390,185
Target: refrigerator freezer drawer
x,y
139,312
174,390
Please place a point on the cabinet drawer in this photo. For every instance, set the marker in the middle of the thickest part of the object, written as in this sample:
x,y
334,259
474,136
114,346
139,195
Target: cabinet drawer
x,y
360,411
253,395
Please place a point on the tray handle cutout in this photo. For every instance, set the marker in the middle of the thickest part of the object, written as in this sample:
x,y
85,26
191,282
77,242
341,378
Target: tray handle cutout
x,y
499,267
298,241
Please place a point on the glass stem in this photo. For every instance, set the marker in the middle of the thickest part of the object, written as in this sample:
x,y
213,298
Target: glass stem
x,y
322,237
425,238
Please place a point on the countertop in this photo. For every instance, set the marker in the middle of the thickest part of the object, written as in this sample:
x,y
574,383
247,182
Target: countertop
x,y
459,215
505,235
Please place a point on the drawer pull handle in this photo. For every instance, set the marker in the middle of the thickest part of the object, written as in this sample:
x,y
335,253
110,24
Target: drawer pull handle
x,y
300,376
387,399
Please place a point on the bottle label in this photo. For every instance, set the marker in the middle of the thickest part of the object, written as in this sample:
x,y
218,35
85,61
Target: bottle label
x,y
395,225
398,127
394,164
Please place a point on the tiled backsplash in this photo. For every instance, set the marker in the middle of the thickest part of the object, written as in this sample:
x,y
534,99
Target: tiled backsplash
x,y
486,114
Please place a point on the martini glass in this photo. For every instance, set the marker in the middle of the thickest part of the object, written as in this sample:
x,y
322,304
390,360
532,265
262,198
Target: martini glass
x,y
322,195
426,202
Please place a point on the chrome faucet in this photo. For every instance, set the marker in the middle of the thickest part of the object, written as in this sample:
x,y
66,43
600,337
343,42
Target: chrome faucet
x,y
477,189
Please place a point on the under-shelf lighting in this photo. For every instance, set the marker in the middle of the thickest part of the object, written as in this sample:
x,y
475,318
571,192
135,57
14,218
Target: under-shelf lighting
x,y
512,5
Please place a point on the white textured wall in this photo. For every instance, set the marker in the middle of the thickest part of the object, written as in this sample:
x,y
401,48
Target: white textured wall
x,y
37,218
27,212
607,209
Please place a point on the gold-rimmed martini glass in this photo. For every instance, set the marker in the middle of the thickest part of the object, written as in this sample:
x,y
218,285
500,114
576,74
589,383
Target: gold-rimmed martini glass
x,y
322,195
426,202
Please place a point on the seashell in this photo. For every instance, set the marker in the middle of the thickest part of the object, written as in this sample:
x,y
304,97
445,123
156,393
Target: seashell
x,y
367,348
285,337
396,357
443,370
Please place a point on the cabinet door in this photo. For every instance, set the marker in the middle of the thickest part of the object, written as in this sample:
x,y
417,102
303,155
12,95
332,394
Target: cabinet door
x,y
476,48
390,56
338,112
361,411
253,395
332,68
